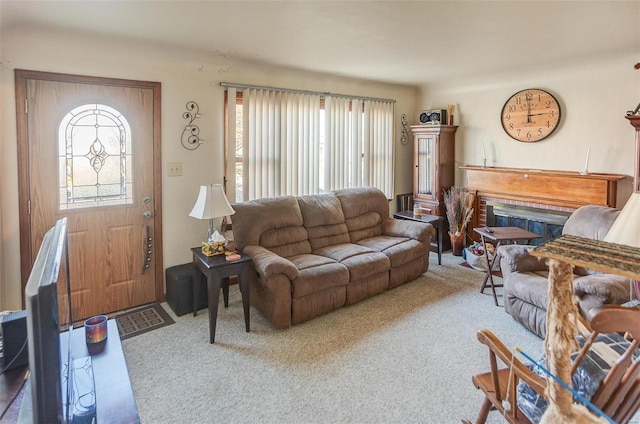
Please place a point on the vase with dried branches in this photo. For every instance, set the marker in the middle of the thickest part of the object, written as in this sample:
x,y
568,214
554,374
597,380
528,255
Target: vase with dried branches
x,y
458,204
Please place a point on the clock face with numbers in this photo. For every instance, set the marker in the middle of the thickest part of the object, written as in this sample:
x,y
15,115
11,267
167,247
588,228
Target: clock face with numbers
x,y
530,115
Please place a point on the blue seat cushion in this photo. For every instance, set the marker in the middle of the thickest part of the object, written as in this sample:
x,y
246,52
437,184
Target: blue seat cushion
x,y
587,378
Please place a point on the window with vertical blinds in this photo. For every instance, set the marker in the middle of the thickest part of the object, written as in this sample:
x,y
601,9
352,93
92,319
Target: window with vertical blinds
x,y
283,142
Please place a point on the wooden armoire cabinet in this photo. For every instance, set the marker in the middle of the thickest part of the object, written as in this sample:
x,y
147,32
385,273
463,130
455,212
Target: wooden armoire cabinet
x,y
434,165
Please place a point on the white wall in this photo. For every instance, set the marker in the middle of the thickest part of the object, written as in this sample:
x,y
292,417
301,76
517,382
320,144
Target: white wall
x,y
594,95
185,76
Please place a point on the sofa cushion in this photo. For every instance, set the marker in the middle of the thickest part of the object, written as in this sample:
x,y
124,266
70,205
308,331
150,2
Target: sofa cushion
x,y
317,273
364,210
275,223
592,222
360,260
399,250
286,241
323,218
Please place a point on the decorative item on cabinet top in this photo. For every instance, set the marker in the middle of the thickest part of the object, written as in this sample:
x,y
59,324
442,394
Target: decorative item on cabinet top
x,y
191,134
433,117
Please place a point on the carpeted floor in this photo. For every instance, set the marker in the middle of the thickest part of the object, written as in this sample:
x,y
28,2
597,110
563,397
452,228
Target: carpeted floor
x,y
404,356
142,320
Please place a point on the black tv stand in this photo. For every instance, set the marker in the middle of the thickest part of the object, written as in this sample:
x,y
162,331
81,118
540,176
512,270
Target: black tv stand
x,y
114,398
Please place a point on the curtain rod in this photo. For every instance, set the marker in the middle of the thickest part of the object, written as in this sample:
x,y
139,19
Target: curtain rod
x,y
290,90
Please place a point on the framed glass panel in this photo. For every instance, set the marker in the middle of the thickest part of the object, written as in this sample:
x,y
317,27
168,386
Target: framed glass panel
x,y
94,158
426,173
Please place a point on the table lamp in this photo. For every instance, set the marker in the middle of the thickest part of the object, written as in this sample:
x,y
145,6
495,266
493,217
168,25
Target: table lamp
x,y
211,203
626,228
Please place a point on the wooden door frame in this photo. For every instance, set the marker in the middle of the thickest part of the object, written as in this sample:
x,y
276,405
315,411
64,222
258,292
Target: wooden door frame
x,y
21,77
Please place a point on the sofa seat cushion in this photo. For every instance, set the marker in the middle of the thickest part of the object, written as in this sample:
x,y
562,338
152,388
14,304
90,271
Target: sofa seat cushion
x,y
360,260
317,273
399,250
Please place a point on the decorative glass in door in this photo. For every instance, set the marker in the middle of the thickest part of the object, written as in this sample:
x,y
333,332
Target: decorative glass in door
x,y
94,158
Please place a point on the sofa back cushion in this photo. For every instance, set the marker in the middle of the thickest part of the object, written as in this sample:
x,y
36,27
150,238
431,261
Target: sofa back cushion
x,y
274,223
364,210
590,221
323,218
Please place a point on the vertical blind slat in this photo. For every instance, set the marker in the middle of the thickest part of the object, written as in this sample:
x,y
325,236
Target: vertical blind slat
x,y
281,147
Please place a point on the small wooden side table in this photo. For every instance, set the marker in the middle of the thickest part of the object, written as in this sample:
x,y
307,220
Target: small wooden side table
x,y
500,235
218,270
436,221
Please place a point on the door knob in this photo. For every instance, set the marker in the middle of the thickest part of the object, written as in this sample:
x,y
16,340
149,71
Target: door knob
x,y
147,214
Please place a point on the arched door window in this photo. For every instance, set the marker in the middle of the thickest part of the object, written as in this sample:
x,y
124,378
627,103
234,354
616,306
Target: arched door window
x,y
94,158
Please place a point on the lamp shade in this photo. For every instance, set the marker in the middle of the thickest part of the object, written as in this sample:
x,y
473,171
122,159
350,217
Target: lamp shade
x,y
211,203
626,228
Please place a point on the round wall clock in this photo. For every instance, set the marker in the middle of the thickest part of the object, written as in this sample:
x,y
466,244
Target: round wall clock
x,y
530,115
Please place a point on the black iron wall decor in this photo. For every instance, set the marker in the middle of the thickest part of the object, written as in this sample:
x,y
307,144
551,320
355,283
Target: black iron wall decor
x,y
406,131
191,134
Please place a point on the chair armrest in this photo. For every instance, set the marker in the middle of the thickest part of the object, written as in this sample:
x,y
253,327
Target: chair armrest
x,y
268,263
421,231
516,258
520,370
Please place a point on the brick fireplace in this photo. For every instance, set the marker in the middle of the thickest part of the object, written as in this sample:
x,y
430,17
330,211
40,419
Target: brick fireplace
x,y
536,200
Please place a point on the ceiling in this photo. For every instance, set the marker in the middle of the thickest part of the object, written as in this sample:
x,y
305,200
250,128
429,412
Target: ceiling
x,y
404,42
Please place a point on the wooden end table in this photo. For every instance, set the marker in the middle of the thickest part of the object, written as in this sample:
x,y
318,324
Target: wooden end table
x,y
500,235
218,270
436,221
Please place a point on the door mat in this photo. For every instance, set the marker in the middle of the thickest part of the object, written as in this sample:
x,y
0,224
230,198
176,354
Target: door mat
x,y
142,320
494,273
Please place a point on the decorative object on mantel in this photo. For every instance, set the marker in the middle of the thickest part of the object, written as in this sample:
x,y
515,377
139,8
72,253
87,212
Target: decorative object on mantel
x,y
585,171
450,110
530,115
484,156
190,135
563,253
212,203
404,137
458,203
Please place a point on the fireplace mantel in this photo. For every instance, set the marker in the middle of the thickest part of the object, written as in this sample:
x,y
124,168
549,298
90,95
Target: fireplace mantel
x,y
545,189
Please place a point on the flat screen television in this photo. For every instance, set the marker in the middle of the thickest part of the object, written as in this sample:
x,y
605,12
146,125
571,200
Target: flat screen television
x,y
48,303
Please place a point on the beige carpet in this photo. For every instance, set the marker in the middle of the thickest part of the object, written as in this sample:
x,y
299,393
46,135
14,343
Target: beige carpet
x,y
405,356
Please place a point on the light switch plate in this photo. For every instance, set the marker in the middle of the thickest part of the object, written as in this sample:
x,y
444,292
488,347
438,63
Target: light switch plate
x,y
174,169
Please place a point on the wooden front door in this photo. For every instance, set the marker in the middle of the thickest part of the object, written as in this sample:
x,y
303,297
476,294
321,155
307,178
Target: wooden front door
x,y
89,150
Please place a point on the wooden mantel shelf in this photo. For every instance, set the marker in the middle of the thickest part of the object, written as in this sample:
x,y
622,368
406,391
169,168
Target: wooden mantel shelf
x,y
561,190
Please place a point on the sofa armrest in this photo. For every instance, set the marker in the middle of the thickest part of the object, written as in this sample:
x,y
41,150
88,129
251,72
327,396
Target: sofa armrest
x,y
420,231
268,263
608,288
516,258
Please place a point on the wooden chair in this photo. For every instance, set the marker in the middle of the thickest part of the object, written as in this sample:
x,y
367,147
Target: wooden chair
x,y
618,396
